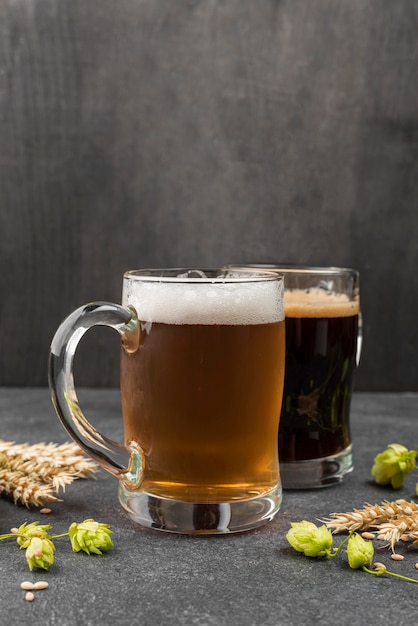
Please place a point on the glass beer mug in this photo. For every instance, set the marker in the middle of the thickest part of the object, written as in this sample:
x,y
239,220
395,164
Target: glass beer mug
x,y
201,378
323,345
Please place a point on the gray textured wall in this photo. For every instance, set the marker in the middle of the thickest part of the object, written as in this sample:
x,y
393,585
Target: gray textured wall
x,y
171,132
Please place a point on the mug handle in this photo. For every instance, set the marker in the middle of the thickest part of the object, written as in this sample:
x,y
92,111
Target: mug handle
x,y
122,461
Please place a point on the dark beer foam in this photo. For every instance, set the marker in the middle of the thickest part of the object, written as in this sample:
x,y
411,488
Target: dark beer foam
x,y
318,303
207,303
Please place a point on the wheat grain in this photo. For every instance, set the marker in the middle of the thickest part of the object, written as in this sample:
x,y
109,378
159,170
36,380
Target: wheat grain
x,y
378,565
367,535
41,584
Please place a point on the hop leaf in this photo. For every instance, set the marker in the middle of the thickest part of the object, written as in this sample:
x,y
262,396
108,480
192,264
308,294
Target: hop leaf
x,y
359,552
393,464
310,539
90,536
40,553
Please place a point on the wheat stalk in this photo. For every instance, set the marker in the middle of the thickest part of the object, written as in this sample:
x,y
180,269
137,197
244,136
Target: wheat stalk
x,y
30,474
392,520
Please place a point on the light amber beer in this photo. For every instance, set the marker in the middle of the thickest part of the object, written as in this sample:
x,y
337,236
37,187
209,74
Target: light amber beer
x,y
202,395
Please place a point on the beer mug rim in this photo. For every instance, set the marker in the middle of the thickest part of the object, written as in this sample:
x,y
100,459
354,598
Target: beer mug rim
x,y
203,275
294,268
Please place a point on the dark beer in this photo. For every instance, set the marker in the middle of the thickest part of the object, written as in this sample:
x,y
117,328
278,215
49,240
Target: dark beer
x,y
321,344
203,401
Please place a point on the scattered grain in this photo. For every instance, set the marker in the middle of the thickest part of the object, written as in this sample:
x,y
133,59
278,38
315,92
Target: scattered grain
x,y
30,597
45,510
379,565
27,585
41,584
416,565
14,530
397,557
367,535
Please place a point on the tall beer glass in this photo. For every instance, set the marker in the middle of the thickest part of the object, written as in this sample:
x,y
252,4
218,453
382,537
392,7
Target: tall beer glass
x,y
201,377
323,342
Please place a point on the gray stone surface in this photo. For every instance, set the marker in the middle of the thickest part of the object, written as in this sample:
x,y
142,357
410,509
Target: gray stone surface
x,y
249,579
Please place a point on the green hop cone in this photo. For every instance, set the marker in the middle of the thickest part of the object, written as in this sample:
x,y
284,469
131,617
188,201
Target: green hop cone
x,y
26,532
40,553
90,536
310,539
393,464
359,552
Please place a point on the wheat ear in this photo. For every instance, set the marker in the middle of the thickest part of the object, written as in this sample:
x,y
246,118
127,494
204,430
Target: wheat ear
x,y
392,520
30,474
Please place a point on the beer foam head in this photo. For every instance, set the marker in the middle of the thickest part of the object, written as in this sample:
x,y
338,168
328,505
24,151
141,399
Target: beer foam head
x,y
317,302
217,302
